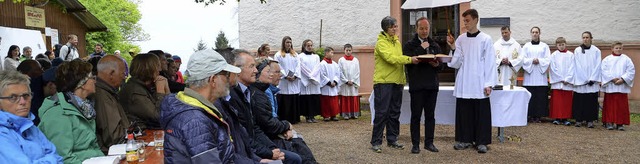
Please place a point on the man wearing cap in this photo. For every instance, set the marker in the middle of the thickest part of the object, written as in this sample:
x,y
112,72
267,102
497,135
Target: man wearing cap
x,y
178,62
111,120
196,131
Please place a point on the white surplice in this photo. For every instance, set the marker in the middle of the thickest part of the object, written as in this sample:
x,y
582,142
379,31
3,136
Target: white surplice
x,y
535,74
289,64
510,50
474,60
617,67
561,69
328,73
587,68
308,64
350,72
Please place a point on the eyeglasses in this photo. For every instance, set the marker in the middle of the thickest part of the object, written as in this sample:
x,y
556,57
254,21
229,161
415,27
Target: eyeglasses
x,y
16,98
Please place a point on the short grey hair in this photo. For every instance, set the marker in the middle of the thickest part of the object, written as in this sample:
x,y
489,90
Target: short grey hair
x,y
387,22
198,83
108,65
10,77
238,60
26,48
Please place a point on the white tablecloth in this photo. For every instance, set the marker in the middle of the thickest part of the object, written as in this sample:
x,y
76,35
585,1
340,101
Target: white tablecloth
x,y
508,107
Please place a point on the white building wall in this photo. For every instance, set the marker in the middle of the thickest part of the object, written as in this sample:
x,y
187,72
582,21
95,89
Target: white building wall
x,y
608,20
354,21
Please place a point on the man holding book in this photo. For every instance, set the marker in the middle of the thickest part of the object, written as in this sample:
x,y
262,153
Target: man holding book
x,y
423,84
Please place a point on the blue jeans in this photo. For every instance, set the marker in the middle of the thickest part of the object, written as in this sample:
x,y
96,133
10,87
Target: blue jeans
x,y
291,157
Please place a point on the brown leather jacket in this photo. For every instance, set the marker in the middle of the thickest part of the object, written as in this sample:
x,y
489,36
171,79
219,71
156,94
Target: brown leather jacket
x,y
111,121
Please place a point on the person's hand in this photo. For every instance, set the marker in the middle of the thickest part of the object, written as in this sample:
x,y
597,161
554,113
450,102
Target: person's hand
x,y
277,154
505,61
614,80
434,63
451,42
333,84
162,85
535,61
619,81
288,134
565,83
291,78
425,45
350,83
487,91
415,60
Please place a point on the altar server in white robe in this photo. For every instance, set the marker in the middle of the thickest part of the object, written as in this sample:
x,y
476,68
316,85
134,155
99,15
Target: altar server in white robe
x,y
349,84
310,88
560,76
473,57
535,64
289,95
329,73
586,80
618,72
508,58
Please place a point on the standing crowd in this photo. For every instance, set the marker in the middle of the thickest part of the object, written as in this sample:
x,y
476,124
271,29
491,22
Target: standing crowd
x,y
576,80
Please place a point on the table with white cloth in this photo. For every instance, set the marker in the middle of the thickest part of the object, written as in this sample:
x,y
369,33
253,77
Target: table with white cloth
x,y
508,107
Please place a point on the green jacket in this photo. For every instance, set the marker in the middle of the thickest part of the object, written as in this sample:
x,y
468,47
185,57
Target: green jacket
x,y
389,67
73,134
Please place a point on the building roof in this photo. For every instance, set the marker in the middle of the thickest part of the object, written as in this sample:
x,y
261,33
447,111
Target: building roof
x,y
79,11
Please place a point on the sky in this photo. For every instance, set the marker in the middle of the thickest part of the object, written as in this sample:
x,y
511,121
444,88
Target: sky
x,y
176,26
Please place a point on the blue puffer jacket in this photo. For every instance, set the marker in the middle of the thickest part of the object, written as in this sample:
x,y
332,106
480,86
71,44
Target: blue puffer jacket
x,y
195,131
23,142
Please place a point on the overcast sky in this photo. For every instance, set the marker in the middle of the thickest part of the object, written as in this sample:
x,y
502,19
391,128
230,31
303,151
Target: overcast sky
x,y
176,26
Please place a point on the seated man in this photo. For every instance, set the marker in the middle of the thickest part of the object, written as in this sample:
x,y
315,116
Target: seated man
x,y
22,141
196,130
111,120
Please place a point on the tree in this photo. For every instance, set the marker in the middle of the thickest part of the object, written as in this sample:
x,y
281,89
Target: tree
x,y
201,46
221,2
121,18
221,41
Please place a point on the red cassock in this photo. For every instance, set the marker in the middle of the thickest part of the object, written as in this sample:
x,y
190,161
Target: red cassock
x,y
616,108
560,104
329,106
350,105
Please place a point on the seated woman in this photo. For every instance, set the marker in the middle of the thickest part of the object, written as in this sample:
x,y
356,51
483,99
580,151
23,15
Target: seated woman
x,y
142,94
22,141
68,118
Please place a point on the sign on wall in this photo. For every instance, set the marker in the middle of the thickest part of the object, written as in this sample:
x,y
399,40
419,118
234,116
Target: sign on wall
x,y
34,17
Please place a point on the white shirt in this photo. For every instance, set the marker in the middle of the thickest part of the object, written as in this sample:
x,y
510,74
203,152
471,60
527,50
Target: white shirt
x,y
510,50
587,68
64,50
10,64
617,67
328,73
474,60
308,63
535,74
289,63
561,69
350,72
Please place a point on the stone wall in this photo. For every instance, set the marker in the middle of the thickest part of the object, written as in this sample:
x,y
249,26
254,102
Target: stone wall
x,y
356,22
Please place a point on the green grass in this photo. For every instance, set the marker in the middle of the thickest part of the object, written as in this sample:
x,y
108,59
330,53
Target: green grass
x,y
635,117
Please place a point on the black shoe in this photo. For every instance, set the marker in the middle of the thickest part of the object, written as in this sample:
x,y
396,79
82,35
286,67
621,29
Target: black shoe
x,y
461,146
482,149
620,127
578,124
334,118
396,145
376,148
415,149
609,126
567,123
590,124
431,148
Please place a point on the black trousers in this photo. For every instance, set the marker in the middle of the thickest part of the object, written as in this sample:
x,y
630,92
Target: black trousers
x,y
473,121
387,103
539,103
309,105
585,106
288,108
423,101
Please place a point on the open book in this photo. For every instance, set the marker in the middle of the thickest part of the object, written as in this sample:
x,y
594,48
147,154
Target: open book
x,y
432,57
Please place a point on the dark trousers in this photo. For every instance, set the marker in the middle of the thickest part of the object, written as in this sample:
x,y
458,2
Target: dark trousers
x,y
423,101
387,103
309,105
539,103
585,106
288,107
473,121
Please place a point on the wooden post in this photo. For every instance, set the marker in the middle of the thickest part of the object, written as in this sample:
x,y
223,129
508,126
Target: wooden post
x,y
320,33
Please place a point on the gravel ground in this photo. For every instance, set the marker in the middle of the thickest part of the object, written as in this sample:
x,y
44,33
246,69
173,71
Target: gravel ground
x,y
347,141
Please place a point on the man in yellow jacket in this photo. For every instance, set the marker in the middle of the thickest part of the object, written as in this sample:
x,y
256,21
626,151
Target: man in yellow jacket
x,y
388,82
